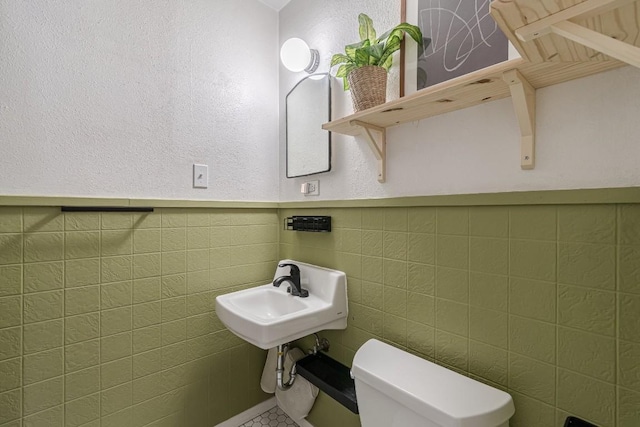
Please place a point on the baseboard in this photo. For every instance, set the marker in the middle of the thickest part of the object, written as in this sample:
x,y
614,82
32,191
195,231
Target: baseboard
x,y
304,423
251,413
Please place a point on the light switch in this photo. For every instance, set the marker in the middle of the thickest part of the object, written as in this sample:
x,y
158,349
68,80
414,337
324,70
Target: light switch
x,y
200,176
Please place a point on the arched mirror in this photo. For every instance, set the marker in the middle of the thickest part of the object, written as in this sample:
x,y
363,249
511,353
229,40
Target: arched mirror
x,y
308,108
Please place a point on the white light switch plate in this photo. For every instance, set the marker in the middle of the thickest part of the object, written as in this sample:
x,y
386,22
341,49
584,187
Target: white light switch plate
x,y
200,176
311,188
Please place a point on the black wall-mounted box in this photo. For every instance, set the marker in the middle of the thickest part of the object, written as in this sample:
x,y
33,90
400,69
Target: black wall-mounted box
x,y
318,224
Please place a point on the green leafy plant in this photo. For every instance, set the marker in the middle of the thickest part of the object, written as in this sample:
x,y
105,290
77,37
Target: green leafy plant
x,y
372,50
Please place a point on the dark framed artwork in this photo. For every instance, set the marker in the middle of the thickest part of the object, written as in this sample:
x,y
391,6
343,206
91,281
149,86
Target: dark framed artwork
x,y
459,37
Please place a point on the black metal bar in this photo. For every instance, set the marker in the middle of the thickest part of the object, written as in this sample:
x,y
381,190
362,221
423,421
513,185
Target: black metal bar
x,y
106,209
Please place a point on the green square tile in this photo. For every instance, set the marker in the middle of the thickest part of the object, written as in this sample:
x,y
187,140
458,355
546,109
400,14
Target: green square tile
x,y
10,280
395,245
115,295
10,406
395,329
43,219
11,339
489,221
533,378
10,248
371,295
146,339
198,238
366,318
586,397
198,218
82,244
81,328
147,387
115,321
587,309
117,242
116,373
453,220
349,263
372,219
146,290
40,247
629,327
628,368
489,255
452,284
629,224
116,399
587,265
489,327
395,273
372,270
533,222
220,257
422,220
81,300
81,355
117,269
146,314
453,251
82,411
422,248
43,395
452,317
174,309
82,383
533,259
172,218
10,374
488,362
174,355
82,272
197,281
533,298
10,220
589,354
42,306
43,366
146,265
146,363
147,241
176,331
10,311
395,301
354,291
452,350
42,336
395,219
81,221
46,276
174,239
221,236
115,347
421,338
488,291
421,278
532,338
116,221
587,223
347,218
530,411
174,262
628,404
629,269
173,286
421,308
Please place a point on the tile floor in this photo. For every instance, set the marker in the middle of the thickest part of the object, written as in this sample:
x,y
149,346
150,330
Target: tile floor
x,y
274,417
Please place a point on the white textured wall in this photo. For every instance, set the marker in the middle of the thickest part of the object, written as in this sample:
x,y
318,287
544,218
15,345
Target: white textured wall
x,y
121,97
587,130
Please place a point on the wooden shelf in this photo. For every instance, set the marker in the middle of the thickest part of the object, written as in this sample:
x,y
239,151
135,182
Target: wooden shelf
x,y
558,43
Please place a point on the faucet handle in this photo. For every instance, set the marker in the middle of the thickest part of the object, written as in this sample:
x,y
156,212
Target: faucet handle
x,y
295,270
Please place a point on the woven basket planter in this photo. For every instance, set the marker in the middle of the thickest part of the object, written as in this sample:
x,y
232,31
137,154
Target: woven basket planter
x,y
368,87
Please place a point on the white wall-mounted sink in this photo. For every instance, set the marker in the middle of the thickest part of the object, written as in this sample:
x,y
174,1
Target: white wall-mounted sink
x,y
267,316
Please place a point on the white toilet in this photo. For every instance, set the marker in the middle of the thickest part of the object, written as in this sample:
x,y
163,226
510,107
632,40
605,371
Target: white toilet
x,y
397,389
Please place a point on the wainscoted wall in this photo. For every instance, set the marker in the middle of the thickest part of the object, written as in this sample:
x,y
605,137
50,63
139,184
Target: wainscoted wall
x,y
107,319
542,301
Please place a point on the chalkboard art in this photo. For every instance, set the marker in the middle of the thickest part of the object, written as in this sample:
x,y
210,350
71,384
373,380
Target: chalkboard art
x,y
460,37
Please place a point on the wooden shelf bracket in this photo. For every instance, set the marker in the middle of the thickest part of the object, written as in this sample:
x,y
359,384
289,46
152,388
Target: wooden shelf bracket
x,y
524,103
379,148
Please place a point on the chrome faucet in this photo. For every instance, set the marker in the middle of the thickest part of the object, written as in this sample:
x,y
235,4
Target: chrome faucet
x,y
293,278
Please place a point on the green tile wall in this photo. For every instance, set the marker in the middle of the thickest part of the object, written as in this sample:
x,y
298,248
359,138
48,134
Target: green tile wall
x,y
541,301
107,319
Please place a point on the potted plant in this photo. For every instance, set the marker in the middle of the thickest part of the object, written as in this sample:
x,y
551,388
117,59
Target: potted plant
x,y
364,65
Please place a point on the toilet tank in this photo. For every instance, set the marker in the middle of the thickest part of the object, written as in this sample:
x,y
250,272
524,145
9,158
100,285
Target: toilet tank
x,y
397,389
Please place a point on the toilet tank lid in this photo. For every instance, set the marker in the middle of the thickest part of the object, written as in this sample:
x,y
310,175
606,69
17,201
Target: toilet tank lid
x,y
434,392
